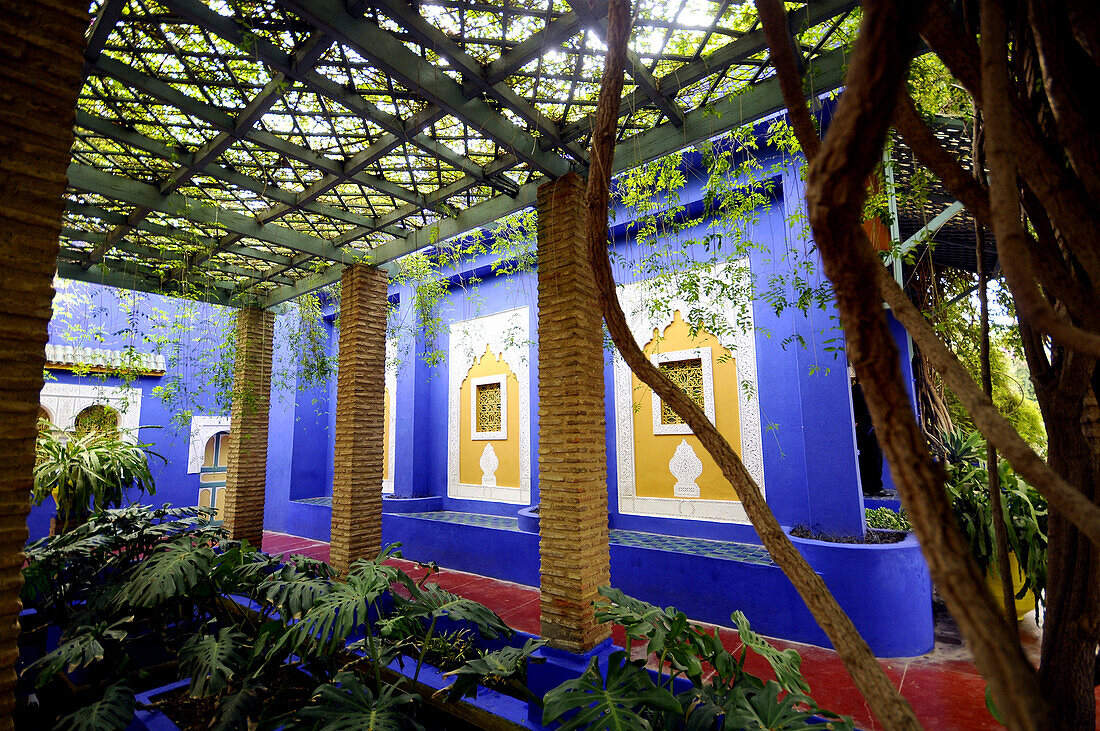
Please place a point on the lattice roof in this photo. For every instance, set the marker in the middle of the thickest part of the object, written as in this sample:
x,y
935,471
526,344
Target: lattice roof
x,y
244,150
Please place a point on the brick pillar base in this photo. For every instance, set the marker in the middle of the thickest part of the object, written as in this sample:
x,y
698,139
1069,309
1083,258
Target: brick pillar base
x,y
246,478
40,59
360,393
573,533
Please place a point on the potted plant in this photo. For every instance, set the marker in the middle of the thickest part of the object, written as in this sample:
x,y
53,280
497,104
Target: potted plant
x,y
88,471
1025,509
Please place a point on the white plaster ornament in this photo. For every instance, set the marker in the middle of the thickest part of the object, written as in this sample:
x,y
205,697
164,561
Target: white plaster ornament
x,y
686,467
489,464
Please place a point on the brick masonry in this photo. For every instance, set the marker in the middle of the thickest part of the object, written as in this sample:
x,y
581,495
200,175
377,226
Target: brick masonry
x,y
360,394
573,530
40,60
246,477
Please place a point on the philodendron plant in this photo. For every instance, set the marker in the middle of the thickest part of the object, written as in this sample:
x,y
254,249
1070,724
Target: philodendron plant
x,y
631,697
166,578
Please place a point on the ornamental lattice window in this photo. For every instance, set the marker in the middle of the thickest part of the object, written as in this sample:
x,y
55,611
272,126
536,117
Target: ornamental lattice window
x,y
489,416
688,377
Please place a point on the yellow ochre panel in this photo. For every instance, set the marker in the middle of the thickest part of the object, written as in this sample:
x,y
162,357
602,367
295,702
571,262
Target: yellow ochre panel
x,y
652,452
507,450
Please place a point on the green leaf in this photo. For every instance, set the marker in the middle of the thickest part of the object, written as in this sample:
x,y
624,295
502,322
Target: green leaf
x,y
211,661
292,592
112,712
614,703
432,602
85,647
174,570
787,664
235,709
337,615
764,710
348,705
501,664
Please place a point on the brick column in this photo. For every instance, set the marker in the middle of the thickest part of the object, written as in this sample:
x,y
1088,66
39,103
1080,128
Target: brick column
x,y
360,394
573,544
246,478
40,60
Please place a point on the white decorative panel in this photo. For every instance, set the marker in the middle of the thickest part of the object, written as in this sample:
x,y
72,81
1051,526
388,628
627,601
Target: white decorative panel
x,y
391,386
489,464
202,428
508,335
686,467
64,401
634,298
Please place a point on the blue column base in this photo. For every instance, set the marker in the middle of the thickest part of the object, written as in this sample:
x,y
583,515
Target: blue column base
x,y
550,667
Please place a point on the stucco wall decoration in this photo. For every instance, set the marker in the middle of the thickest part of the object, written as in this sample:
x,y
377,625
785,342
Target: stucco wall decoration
x,y
720,373
202,428
500,341
390,416
64,401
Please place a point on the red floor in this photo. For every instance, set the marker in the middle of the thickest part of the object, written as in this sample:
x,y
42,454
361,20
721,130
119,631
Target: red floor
x,y
944,687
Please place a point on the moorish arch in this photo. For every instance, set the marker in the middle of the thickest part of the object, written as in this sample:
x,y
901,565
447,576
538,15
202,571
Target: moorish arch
x,y
489,412
662,469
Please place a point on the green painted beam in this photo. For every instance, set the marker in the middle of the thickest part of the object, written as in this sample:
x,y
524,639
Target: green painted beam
x,y
265,51
135,193
102,274
726,114
118,133
430,36
426,80
745,47
206,242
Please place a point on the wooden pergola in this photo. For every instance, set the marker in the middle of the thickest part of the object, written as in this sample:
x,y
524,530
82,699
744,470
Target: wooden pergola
x,y
246,152
243,152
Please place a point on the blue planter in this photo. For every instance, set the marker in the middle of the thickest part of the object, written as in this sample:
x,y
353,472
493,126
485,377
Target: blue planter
x,y
392,504
884,587
153,720
529,519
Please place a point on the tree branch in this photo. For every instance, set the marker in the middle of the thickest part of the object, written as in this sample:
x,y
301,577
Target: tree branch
x,y
885,700
835,192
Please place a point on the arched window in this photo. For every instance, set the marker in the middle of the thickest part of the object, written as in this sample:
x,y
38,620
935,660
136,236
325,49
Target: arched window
x,y
45,419
213,473
97,419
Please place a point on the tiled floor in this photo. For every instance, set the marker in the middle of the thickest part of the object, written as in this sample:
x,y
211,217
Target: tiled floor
x,y
944,687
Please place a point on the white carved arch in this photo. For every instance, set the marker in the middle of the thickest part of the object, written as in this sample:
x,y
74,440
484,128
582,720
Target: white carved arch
x,y
202,428
64,401
634,298
508,335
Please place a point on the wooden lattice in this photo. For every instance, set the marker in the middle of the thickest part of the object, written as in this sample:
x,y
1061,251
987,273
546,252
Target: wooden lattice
x,y
244,151
489,416
688,375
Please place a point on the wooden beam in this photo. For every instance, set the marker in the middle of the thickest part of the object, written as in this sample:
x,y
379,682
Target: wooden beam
x,y
726,114
82,177
426,80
